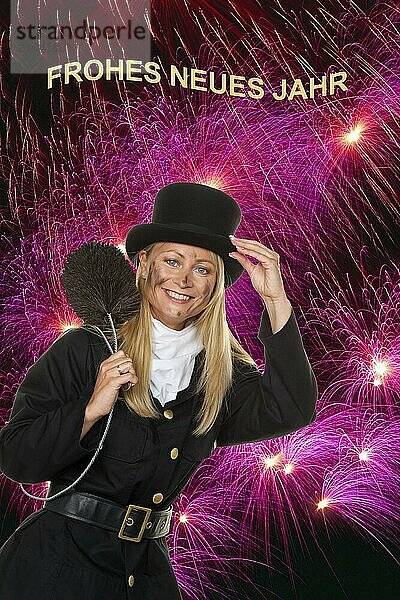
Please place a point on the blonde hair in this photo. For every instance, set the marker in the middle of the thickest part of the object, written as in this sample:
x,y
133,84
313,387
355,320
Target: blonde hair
x,y
221,348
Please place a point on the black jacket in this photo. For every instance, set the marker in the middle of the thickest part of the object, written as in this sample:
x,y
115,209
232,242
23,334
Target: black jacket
x,y
41,443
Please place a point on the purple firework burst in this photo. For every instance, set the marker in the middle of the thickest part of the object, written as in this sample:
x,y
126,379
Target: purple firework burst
x,y
315,181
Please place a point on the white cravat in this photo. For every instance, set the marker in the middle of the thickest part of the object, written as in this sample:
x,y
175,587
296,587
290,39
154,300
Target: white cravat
x,y
173,356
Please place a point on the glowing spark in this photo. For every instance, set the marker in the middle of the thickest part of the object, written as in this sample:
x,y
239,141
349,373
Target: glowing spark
x,y
323,503
288,468
65,326
381,368
215,183
183,518
363,455
271,461
354,134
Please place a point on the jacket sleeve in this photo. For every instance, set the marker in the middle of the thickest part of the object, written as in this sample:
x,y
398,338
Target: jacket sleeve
x,y
277,402
42,435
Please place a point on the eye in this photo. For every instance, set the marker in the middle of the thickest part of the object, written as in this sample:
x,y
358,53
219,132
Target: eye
x,y
168,260
205,271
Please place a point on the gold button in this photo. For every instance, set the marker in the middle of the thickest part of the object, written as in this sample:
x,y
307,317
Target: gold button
x,y
131,580
157,498
168,414
174,453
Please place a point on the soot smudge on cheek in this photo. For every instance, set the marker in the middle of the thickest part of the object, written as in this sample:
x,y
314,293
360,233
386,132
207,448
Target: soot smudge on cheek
x,y
157,277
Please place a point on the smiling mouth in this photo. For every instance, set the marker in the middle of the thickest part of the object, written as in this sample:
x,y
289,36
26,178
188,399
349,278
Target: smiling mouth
x,y
177,296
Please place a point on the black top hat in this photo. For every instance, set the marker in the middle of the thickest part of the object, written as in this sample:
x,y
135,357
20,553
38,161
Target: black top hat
x,y
194,214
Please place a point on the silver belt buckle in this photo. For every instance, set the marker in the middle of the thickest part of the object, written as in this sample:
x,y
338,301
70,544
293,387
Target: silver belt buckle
x,y
129,521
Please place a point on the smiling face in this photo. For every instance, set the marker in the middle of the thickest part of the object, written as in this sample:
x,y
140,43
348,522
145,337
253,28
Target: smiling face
x,y
180,280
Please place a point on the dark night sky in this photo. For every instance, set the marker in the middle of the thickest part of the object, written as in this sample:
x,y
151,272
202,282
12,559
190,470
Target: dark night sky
x,y
358,570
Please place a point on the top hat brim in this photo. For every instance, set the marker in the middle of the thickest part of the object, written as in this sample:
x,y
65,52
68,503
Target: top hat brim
x,y
145,234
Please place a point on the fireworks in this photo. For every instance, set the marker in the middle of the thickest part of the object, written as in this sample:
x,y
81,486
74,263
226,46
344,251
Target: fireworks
x,y
315,179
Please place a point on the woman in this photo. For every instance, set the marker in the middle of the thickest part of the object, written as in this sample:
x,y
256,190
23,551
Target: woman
x,y
193,387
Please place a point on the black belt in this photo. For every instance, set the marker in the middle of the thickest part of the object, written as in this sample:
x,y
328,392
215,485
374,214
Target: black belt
x,y
131,522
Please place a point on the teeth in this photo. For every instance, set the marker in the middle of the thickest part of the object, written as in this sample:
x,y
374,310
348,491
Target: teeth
x,y
177,296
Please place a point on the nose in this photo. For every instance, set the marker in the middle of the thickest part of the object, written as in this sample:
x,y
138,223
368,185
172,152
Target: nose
x,y
184,278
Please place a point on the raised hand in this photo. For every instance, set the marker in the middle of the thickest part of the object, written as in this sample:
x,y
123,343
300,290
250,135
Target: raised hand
x,y
265,276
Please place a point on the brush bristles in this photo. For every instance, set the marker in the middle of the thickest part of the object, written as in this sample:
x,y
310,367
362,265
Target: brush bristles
x,y
99,280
